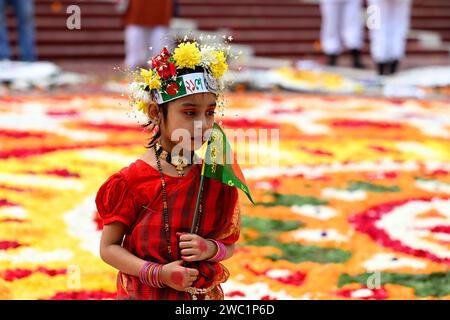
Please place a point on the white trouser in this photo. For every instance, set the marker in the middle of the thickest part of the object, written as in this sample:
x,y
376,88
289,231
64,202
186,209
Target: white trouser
x,y
139,40
341,19
388,22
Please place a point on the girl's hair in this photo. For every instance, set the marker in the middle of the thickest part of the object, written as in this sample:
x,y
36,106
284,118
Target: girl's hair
x,y
165,108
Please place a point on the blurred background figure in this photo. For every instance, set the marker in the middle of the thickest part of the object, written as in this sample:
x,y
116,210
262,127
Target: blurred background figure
x,y
389,35
146,24
342,26
24,14
176,8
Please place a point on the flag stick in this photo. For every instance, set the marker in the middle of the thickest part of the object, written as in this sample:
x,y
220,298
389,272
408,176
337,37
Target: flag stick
x,y
198,198
197,202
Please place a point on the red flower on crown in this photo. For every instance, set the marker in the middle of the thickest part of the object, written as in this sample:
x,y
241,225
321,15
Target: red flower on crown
x,y
167,71
161,58
162,66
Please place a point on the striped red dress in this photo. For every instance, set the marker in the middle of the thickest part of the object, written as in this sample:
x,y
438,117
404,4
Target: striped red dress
x,y
133,196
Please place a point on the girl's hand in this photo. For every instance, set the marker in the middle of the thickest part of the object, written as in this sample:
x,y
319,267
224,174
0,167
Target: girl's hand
x,y
178,277
195,248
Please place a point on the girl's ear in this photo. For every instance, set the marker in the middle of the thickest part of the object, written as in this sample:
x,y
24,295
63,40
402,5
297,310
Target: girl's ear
x,y
153,113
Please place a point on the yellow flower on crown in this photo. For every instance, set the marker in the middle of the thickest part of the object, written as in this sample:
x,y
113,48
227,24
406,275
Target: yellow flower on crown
x,y
151,79
187,55
219,66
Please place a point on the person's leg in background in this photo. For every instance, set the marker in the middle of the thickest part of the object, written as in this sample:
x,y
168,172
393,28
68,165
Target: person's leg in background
x,y
401,11
24,11
158,38
136,46
5,50
353,30
379,26
330,30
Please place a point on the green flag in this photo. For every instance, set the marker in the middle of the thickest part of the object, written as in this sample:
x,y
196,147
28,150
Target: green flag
x,y
217,165
220,162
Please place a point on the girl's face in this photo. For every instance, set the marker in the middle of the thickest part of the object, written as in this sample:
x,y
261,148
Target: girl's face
x,y
188,119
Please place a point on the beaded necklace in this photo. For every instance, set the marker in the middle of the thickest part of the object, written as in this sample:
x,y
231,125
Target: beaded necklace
x,y
191,290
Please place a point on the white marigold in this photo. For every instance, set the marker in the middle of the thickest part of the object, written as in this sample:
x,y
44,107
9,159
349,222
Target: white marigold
x,y
207,57
137,92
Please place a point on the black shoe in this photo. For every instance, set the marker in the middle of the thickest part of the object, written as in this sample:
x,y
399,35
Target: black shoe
x,y
393,66
356,56
332,60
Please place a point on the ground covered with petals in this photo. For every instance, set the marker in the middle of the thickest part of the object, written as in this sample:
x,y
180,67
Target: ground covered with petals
x,y
352,202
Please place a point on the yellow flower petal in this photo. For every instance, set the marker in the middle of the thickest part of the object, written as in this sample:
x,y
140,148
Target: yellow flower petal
x,y
142,106
187,55
219,67
151,78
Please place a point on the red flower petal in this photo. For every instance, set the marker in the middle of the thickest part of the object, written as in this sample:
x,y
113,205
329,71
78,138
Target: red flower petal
x,y
5,245
16,274
12,220
267,297
173,69
62,173
6,203
84,295
235,293
377,294
366,222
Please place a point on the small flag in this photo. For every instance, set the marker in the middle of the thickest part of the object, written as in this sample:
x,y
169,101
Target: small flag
x,y
217,165
220,162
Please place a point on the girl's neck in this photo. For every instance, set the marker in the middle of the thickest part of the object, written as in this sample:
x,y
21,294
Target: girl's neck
x,y
169,145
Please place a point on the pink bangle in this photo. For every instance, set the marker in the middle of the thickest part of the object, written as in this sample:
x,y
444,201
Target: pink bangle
x,y
158,279
150,274
160,283
155,283
221,251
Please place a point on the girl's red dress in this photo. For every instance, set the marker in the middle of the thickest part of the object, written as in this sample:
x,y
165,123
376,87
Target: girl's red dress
x,y
133,196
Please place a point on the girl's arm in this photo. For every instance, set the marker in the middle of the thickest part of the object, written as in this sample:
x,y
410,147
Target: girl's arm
x,y
112,252
230,250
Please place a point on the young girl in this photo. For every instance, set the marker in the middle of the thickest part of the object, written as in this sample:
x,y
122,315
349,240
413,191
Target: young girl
x,y
148,207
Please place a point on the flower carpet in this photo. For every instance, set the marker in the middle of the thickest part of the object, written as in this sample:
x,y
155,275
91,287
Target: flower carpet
x,y
352,200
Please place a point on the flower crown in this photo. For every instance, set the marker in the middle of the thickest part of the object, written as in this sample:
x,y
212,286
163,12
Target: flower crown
x,y
190,69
